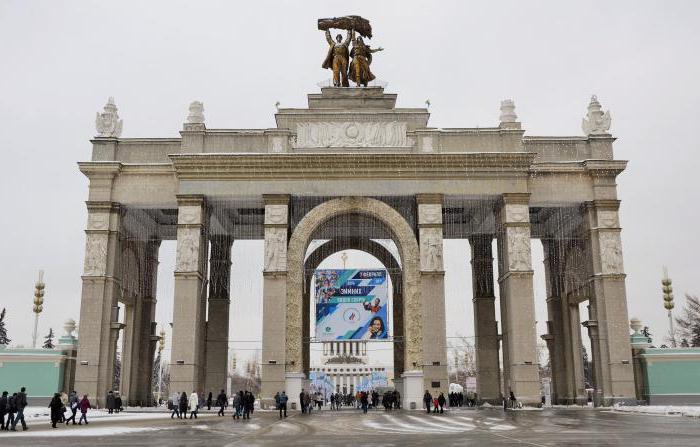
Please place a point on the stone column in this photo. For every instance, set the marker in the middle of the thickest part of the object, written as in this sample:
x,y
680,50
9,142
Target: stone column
x,y
187,357
609,321
99,314
273,368
399,344
218,323
488,374
432,292
520,364
148,326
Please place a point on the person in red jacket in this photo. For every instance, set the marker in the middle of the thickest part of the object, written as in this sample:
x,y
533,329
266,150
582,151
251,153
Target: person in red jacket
x,y
84,405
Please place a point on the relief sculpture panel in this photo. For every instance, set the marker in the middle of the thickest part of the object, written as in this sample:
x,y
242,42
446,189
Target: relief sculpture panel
x,y
351,134
187,259
610,253
96,255
519,258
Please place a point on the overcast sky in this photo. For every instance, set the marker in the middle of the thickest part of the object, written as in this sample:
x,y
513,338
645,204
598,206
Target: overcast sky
x,y
61,60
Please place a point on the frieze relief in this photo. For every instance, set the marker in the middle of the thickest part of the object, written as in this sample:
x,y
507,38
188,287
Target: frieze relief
x,y
431,249
430,213
351,134
275,249
275,214
187,259
96,255
519,258
610,253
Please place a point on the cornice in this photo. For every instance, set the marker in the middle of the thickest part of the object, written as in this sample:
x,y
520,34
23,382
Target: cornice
x,y
352,165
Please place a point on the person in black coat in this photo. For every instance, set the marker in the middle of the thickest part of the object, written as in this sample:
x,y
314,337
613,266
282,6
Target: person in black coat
x,y
56,407
441,402
183,405
427,400
221,401
209,399
3,409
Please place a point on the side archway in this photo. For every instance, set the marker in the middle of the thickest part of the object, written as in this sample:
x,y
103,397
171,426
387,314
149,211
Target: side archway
x,y
409,253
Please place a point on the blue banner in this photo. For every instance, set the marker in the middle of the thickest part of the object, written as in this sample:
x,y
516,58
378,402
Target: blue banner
x,y
351,304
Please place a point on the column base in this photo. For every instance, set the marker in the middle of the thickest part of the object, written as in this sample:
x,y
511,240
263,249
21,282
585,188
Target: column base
x,y
412,396
294,383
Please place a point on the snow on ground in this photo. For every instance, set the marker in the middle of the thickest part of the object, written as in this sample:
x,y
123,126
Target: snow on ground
x,y
671,410
37,414
93,431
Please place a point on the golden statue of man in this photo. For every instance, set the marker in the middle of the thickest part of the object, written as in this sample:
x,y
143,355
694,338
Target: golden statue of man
x,y
337,58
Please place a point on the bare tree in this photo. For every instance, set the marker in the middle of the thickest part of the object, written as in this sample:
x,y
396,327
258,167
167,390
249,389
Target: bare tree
x,y
689,322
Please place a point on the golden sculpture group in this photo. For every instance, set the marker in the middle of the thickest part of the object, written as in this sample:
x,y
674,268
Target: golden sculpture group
x,y
339,54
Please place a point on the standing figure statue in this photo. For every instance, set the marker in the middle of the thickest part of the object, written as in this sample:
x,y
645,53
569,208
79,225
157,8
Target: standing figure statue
x,y
337,58
361,55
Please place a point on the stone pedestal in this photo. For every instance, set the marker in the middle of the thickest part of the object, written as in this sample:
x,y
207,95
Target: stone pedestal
x,y
293,384
412,396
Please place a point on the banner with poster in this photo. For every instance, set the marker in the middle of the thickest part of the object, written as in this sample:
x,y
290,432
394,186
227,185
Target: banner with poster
x,y
351,304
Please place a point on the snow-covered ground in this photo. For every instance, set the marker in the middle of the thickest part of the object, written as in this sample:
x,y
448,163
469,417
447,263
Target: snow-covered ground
x,y
671,410
37,414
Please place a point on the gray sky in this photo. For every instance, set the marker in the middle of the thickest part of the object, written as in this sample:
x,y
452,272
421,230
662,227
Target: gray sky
x,y
61,60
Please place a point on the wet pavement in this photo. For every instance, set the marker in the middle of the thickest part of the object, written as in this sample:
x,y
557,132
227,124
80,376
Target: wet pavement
x,y
461,427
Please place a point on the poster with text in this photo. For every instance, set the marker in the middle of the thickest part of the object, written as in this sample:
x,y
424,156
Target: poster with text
x,y
351,304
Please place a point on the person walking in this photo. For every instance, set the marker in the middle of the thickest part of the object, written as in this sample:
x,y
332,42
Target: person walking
x,y
11,410
238,405
441,402
209,400
110,402
248,403
513,400
3,409
84,406
64,401
55,405
301,402
427,401
364,401
194,404
21,403
183,406
174,402
118,408
397,399
281,400
73,405
221,401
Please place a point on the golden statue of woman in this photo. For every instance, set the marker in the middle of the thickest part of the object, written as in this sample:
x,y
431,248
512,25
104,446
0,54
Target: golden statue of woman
x,y
361,55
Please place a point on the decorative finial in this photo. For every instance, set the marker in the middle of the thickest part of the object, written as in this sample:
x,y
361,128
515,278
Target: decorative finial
x,y
69,327
427,103
107,123
636,325
277,106
196,115
508,111
596,122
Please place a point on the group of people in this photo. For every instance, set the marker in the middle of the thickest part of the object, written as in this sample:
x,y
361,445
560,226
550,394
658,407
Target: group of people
x,y
459,399
242,404
437,403
13,406
308,401
62,402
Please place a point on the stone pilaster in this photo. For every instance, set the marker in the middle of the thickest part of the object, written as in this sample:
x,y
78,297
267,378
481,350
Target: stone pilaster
x,y
99,313
274,362
520,364
488,371
608,324
148,336
432,292
187,357
219,303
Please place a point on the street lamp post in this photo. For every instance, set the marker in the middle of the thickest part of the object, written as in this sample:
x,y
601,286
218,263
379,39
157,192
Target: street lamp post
x,y
344,258
667,289
38,303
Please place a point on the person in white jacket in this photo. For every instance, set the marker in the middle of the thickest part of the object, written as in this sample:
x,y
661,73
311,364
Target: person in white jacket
x,y
194,404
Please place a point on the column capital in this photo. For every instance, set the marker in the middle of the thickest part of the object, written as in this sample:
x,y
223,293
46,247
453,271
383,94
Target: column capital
x,y
190,199
602,204
514,198
104,206
429,199
276,199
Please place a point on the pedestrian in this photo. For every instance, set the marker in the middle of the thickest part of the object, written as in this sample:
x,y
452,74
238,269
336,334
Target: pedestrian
x,y
174,405
11,410
118,403
183,406
281,401
64,402
209,400
364,401
427,400
221,401
397,399
84,406
73,405
248,403
194,404
513,400
110,402
441,402
237,405
55,405
21,403
3,409
435,404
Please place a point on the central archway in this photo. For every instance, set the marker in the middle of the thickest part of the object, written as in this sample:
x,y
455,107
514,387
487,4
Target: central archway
x,y
409,253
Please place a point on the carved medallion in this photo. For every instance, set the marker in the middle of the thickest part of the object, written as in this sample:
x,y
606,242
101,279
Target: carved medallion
x,y
98,221
189,214
276,214
608,219
430,213
517,213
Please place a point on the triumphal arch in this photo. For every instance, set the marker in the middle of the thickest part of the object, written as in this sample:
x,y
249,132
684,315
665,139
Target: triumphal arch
x,y
348,171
